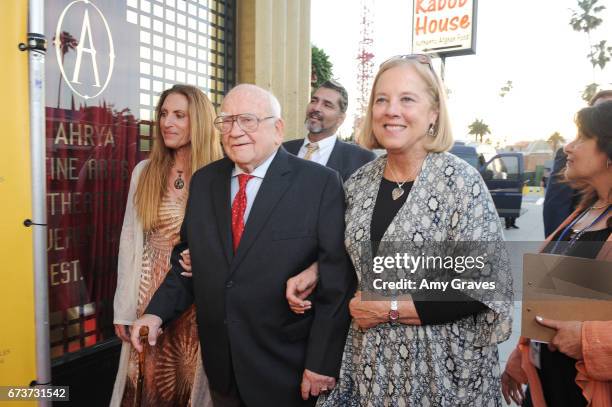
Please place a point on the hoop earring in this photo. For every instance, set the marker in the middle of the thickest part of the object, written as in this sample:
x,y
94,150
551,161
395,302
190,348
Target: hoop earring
x,y
431,132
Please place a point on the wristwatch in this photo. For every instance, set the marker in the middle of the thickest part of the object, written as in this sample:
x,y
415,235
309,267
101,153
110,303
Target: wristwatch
x,y
394,311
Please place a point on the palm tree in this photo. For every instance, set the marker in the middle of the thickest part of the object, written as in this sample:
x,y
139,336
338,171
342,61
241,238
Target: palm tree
x,y
479,129
589,91
585,19
65,43
505,89
555,140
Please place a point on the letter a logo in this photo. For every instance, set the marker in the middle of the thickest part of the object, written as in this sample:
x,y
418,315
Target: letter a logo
x,y
86,34
85,80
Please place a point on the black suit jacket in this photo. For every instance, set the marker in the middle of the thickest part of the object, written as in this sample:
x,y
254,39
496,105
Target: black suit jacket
x,y
345,158
560,199
244,322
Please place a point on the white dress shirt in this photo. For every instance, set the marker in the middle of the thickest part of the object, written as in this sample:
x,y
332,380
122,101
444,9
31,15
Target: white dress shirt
x,y
321,156
253,185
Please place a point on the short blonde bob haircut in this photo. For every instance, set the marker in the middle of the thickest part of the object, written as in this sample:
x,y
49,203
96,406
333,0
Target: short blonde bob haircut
x,y
205,148
442,139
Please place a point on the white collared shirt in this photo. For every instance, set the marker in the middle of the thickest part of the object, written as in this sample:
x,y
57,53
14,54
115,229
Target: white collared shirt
x,y
321,156
253,185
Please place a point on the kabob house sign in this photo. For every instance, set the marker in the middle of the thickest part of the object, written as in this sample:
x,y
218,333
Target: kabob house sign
x,y
444,27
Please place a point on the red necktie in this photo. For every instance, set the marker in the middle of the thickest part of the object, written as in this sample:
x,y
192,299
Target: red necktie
x,y
238,208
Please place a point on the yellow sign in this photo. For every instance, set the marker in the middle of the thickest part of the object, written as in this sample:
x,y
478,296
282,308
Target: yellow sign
x,y
17,342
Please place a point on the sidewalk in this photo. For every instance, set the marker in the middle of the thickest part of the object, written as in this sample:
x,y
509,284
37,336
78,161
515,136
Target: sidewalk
x,y
531,228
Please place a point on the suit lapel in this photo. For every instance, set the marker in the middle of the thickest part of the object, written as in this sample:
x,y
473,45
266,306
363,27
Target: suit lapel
x,y
336,161
221,202
272,189
294,146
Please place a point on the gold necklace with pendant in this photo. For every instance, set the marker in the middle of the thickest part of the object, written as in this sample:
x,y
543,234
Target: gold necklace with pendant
x,y
397,191
179,183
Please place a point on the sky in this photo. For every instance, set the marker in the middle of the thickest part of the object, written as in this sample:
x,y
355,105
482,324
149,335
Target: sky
x,y
528,42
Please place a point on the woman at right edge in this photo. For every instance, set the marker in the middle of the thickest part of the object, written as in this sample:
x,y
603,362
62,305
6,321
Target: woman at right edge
x,y
575,369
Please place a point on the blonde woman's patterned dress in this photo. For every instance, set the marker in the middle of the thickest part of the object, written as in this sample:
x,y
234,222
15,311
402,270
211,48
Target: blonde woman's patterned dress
x,y
170,366
450,364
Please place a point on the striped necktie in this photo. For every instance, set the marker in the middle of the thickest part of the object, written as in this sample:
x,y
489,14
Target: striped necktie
x,y
310,150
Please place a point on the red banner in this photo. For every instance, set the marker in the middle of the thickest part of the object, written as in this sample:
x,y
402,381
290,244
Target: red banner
x,y
90,155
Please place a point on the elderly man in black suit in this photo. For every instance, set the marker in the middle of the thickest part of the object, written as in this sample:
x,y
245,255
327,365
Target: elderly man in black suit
x,y
253,220
324,115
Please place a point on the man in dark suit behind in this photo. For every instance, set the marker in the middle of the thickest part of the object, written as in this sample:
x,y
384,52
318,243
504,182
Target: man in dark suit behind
x,y
560,199
324,115
253,220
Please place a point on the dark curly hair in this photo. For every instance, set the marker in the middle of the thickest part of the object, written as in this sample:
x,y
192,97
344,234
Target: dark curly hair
x,y
595,122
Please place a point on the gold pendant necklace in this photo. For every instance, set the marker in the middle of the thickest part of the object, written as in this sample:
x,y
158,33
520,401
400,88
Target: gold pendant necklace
x,y
397,191
179,183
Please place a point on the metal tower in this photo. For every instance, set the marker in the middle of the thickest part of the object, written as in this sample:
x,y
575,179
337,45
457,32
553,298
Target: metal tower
x,y
365,58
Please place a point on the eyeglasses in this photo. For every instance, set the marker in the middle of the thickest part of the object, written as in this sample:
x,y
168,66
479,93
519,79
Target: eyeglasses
x,y
421,58
246,121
